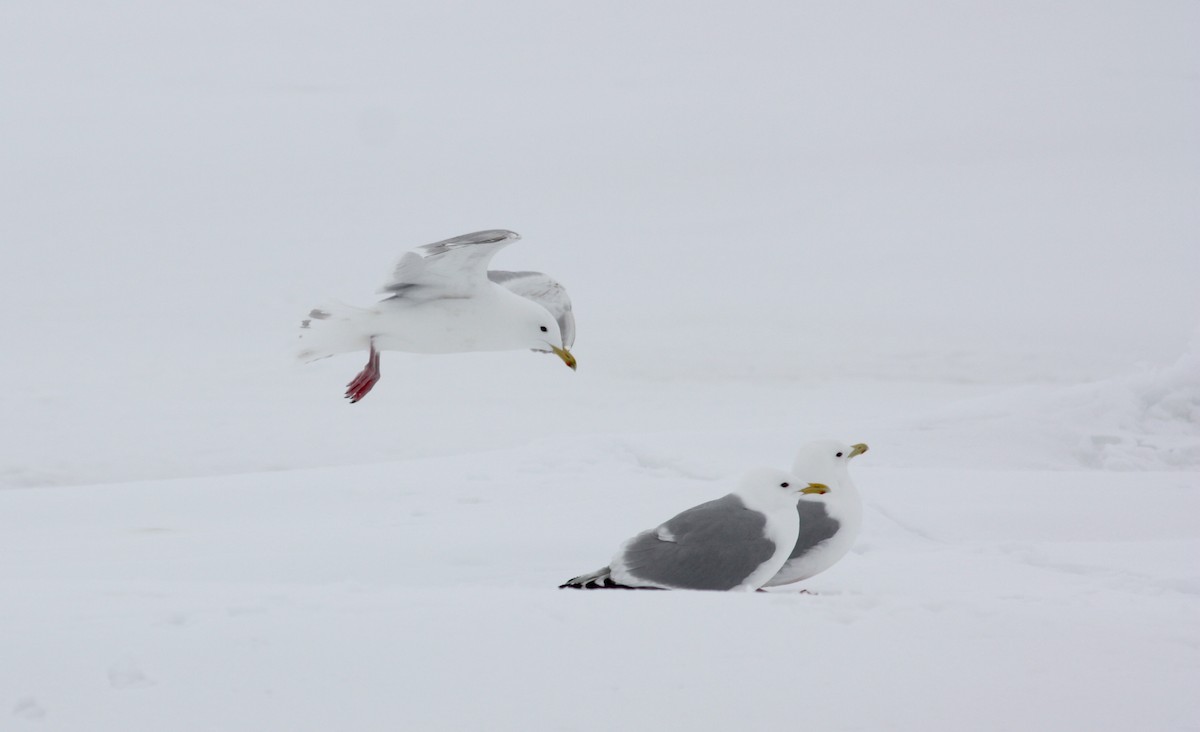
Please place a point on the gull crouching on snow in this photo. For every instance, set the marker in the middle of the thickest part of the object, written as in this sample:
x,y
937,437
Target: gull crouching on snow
x,y
737,542
446,301
827,528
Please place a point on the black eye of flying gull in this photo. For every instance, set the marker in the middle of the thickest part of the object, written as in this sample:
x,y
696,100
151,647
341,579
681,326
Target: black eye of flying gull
x,y
446,301
737,542
827,528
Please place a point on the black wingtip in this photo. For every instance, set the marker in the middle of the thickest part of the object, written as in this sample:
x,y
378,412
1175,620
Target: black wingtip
x,y
605,584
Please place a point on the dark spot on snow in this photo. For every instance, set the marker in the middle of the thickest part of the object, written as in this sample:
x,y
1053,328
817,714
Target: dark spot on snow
x,y
318,314
305,323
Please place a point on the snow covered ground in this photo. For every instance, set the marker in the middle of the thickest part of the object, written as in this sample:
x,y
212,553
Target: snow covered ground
x,y
967,236
420,595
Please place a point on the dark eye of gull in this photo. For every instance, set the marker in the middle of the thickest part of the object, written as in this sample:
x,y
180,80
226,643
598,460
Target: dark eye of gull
x,y
839,455
547,330
783,485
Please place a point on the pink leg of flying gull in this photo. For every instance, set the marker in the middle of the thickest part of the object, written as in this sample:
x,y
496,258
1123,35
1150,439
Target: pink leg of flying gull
x,y
366,379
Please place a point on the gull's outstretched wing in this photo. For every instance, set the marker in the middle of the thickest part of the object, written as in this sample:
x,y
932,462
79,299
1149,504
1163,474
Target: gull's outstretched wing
x,y
450,268
546,292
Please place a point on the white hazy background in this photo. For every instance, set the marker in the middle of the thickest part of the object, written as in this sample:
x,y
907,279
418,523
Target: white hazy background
x,y
966,233
749,191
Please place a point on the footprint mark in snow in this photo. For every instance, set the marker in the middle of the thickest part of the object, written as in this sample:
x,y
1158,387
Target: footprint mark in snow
x,y
175,619
128,676
149,530
656,464
906,526
28,708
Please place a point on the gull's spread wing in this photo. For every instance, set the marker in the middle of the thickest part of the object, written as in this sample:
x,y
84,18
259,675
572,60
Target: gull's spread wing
x,y
451,268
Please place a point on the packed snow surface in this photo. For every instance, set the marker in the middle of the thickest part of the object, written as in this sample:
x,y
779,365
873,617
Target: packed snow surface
x,y
965,235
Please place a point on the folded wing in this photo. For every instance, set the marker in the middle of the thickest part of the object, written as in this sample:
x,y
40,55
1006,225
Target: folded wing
x,y
713,546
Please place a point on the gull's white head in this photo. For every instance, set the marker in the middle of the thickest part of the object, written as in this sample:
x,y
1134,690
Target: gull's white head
x,y
826,461
538,331
771,486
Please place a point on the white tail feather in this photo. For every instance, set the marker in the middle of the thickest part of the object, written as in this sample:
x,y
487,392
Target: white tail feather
x,y
334,328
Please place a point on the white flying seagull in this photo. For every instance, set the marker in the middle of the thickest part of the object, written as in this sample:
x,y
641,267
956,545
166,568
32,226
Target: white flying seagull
x,y
827,528
446,301
737,542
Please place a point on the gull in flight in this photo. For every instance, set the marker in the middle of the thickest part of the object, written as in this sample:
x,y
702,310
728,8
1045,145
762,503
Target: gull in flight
x,y
445,300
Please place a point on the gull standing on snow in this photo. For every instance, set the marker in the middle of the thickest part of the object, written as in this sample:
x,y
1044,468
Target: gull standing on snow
x,y
737,542
827,528
446,301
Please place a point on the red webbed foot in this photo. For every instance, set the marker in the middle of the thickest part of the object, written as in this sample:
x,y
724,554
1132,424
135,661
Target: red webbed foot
x,y
362,384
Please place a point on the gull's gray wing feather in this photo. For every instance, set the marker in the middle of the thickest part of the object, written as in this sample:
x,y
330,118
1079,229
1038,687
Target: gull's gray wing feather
x,y
713,546
454,267
545,291
816,526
